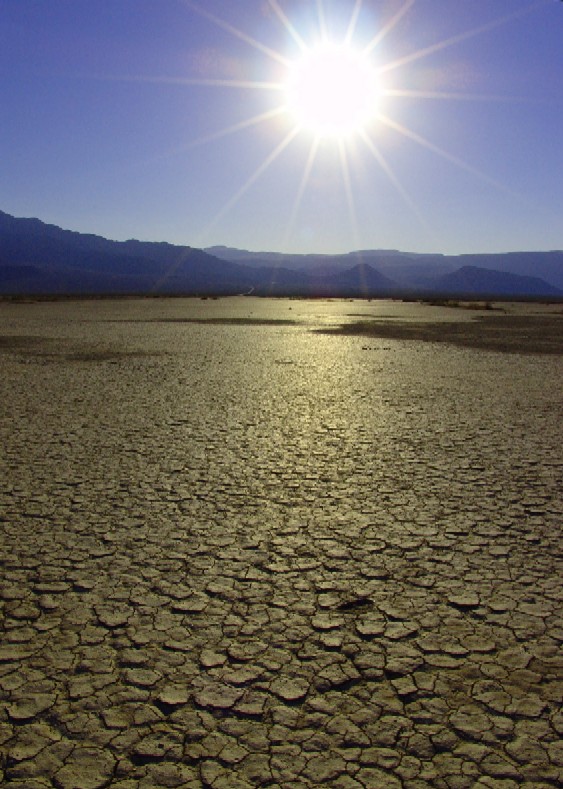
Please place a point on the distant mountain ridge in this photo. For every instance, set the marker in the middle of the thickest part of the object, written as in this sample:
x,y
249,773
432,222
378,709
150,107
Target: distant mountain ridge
x,y
65,261
43,259
420,270
471,279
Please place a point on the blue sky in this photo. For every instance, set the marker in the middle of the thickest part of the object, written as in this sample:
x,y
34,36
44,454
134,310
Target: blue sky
x,y
144,119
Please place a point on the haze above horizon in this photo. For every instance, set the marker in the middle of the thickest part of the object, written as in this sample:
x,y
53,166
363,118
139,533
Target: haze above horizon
x,y
174,121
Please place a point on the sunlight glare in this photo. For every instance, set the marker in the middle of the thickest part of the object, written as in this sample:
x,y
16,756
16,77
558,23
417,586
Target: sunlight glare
x,y
332,91
335,90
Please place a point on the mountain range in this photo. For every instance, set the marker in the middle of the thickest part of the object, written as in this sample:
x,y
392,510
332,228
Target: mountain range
x,y
43,259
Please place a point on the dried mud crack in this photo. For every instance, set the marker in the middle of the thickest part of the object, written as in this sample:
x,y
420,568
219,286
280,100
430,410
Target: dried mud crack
x,y
217,570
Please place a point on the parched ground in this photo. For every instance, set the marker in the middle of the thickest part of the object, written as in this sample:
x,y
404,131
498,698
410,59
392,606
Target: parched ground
x,y
525,331
235,552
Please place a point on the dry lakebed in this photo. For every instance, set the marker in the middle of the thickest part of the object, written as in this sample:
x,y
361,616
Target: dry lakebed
x,y
279,543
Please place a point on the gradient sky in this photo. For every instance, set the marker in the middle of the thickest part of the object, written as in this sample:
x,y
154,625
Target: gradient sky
x,y
131,119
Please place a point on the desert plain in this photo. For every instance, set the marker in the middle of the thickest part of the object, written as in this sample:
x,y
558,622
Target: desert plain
x,y
249,542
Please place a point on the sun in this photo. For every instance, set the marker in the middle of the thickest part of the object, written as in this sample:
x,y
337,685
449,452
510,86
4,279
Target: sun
x,y
332,90
338,88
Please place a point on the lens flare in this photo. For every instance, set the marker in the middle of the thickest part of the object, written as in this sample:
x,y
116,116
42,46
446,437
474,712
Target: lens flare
x,y
332,91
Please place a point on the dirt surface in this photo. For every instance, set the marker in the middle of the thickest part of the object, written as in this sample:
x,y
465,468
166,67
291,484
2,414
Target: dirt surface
x,y
508,333
236,552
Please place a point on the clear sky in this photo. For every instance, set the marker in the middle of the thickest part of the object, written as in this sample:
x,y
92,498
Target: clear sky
x,y
172,120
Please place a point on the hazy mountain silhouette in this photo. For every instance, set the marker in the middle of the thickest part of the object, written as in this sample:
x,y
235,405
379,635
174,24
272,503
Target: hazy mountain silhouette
x,y
361,278
56,260
409,269
38,258
474,281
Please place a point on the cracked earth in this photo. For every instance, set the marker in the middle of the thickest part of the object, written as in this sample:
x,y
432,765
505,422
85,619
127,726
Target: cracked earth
x,y
239,553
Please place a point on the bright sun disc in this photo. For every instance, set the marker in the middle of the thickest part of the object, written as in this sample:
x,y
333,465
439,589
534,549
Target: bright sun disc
x,y
332,91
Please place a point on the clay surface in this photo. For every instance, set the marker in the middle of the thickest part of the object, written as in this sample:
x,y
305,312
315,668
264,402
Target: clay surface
x,y
239,551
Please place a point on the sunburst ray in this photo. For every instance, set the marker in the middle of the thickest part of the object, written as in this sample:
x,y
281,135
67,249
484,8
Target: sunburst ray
x,y
202,81
252,179
348,191
322,20
388,27
288,25
255,120
451,96
348,38
386,167
463,165
302,186
272,53
448,42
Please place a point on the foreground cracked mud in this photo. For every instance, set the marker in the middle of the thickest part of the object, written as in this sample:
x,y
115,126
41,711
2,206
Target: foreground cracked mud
x,y
248,554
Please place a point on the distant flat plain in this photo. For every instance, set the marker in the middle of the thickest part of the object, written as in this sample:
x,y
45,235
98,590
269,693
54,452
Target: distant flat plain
x,y
251,542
